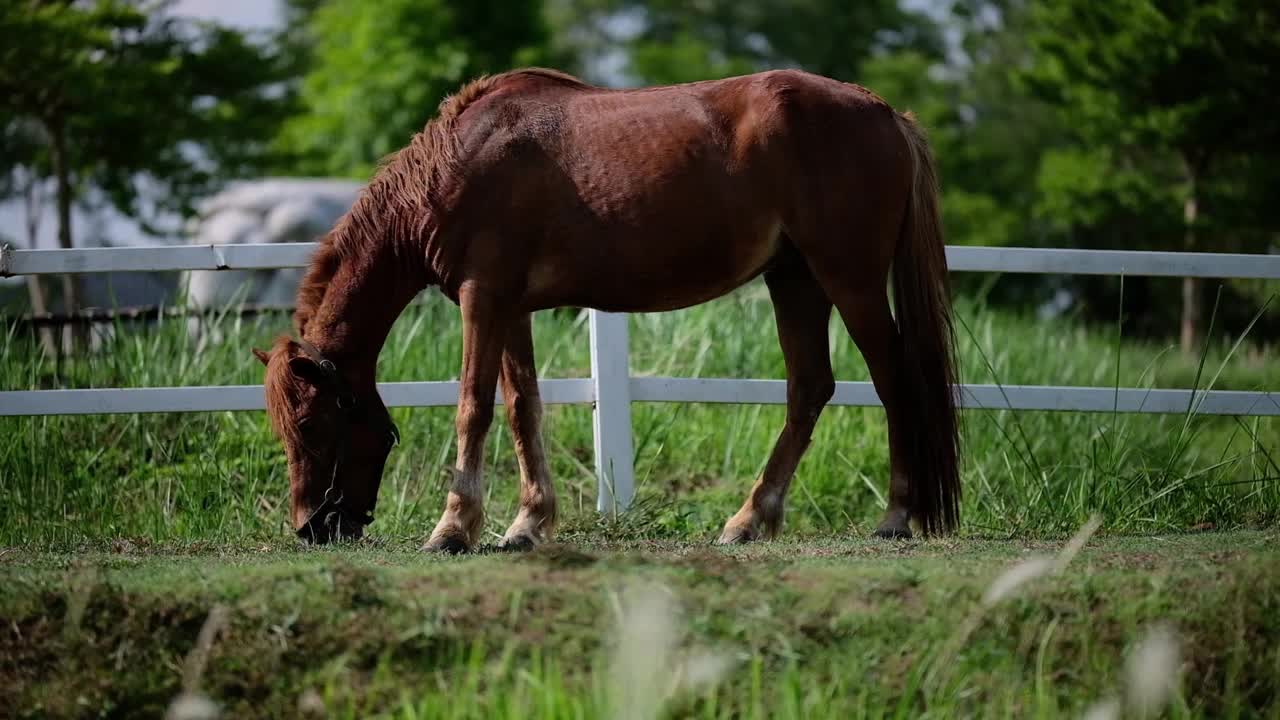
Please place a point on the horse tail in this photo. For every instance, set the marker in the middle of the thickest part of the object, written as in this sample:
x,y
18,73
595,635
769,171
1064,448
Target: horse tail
x,y
926,392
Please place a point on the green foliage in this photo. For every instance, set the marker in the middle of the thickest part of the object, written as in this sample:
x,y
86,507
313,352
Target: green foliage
x,y
1188,76
1165,103
1164,96
669,41
1117,205
119,95
380,69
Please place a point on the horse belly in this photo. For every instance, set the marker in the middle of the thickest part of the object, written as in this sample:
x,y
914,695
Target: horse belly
x,y
655,272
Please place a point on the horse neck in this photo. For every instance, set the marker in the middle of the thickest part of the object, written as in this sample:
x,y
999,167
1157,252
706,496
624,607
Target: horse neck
x,y
361,303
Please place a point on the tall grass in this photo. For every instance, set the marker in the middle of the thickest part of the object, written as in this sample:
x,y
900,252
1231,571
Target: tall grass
x,y
221,476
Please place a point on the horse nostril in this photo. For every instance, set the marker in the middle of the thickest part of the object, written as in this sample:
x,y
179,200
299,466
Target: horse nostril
x,y
314,533
334,526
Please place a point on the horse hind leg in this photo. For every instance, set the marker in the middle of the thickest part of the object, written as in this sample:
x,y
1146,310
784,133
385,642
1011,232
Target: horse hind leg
x,y
876,335
864,307
802,312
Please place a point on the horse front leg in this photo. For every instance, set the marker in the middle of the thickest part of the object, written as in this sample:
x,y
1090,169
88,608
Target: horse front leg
x,y
536,518
802,312
484,329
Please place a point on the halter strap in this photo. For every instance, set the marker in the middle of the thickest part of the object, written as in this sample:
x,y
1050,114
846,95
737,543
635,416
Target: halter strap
x,y
346,398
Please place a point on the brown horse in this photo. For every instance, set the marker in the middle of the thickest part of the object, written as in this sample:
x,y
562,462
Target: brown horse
x,y
533,190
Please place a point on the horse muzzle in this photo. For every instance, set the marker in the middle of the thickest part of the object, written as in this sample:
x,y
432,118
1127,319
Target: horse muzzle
x,y
333,526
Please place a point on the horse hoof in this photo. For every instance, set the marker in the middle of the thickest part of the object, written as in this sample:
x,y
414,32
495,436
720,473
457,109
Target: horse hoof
x,y
447,544
736,536
517,543
893,533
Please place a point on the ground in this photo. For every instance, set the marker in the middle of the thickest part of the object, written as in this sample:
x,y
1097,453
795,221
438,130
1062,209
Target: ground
x,y
819,627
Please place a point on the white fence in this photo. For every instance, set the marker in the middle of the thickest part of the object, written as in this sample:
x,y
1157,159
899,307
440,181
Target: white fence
x,y
611,389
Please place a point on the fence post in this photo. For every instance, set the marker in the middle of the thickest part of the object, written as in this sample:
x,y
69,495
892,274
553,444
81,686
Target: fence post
x,y
611,414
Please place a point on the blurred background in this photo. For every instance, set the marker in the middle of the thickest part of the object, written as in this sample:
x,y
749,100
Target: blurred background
x,y
1133,124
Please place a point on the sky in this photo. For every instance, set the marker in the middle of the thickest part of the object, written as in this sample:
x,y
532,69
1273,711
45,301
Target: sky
x,y
244,14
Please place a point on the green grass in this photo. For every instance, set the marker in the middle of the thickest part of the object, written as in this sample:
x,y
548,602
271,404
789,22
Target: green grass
x,y
120,534
221,476
843,628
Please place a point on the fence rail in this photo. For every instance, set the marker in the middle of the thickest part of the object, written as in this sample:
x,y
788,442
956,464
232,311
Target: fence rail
x,y
138,313
611,389
108,401
266,256
568,391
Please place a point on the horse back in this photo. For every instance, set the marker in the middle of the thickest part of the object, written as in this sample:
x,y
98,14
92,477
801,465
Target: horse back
x,y
740,124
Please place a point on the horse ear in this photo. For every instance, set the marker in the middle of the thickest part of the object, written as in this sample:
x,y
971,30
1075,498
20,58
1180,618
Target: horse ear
x,y
265,357
305,368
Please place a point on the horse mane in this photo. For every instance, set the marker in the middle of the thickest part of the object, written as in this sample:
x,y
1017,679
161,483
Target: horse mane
x,y
283,393
403,201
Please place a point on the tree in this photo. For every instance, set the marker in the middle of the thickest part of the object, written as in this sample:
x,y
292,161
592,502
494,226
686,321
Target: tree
x,y
379,70
670,41
19,177
120,98
1162,96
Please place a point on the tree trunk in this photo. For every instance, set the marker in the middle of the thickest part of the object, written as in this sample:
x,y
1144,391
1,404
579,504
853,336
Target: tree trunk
x,y
35,288
1190,285
62,172
40,306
